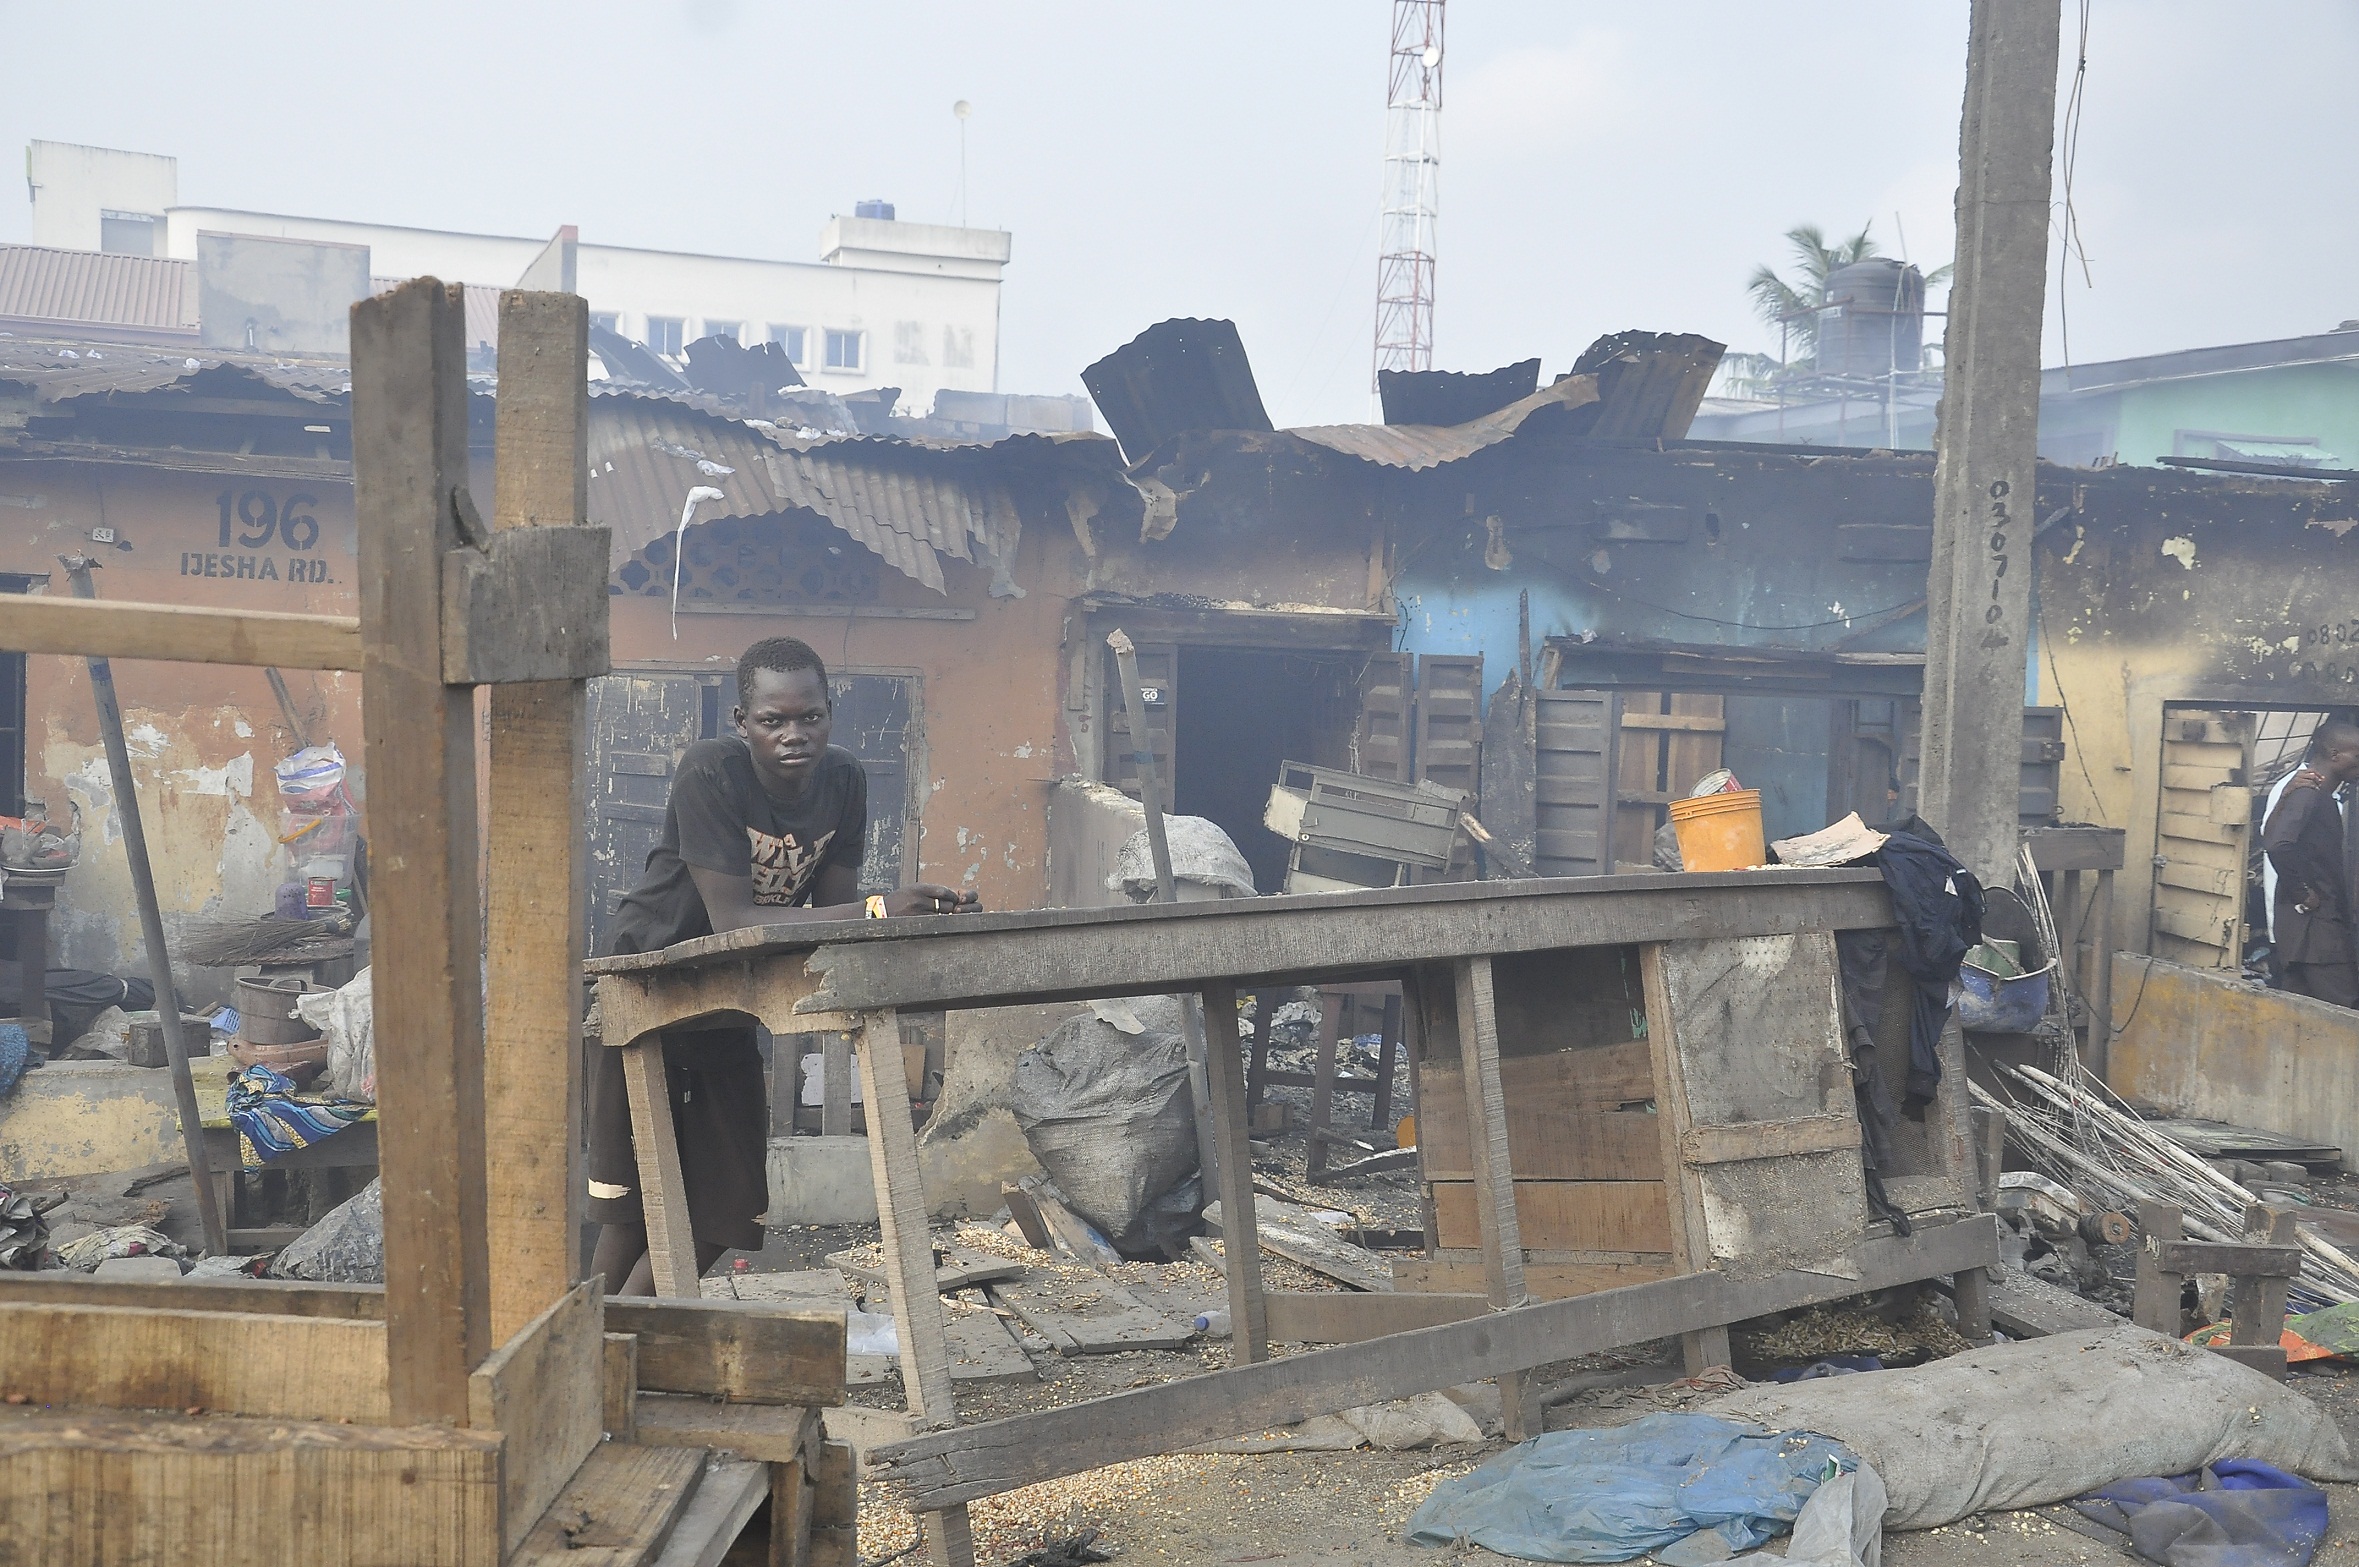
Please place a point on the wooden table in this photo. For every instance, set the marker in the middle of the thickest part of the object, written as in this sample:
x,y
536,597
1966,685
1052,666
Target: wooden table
x,y
1701,934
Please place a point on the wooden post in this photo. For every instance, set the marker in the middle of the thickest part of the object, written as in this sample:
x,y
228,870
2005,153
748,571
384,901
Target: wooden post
x,y
34,956
1978,591
2155,1303
1240,1228
909,1259
1332,1004
409,467
2097,1057
1691,1242
2258,1315
835,1086
663,1193
534,846
1494,1167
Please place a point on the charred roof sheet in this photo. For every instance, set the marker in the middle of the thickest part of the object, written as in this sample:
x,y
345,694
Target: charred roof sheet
x,y
1649,384
1416,446
57,372
149,292
1174,377
1451,396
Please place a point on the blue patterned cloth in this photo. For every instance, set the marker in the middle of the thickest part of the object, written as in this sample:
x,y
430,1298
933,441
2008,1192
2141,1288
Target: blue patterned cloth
x,y
272,1122
16,1053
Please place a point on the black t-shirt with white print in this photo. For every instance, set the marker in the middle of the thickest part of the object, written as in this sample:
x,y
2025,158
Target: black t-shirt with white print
x,y
720,818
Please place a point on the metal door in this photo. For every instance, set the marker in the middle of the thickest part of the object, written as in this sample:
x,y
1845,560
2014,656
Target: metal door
x,y
1380,741
1574,790
1450,722
2202,828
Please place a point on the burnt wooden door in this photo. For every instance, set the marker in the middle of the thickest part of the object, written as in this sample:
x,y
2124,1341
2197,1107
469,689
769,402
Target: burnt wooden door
x,y
1381,739
1667,742
1573,801
642,722
1450,723
2202,826
1159,687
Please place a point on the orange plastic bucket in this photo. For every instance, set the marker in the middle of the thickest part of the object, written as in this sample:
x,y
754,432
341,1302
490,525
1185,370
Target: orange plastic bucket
x,y
1720,832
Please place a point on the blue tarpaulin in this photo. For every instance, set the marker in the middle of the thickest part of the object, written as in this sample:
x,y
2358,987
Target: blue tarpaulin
x,y
1606,1496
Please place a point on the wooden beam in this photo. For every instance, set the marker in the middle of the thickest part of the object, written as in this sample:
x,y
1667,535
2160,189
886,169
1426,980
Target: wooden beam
x,y
528,608
544,1391
1494,1175
943,1467
908,1245
726,1499
773,1433
147,1357
1350,1317
618,1396
1224,1066
663,1192
409,460
535,852
217,1491
719,1349
178,633
1691,1241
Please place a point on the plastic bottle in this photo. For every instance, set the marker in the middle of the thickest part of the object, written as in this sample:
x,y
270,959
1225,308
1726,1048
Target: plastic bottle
x,y
1213,1324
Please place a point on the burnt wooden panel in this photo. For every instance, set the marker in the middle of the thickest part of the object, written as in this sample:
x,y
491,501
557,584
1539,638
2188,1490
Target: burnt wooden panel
x,y
1159,685
1450,722
1573,788
1381,742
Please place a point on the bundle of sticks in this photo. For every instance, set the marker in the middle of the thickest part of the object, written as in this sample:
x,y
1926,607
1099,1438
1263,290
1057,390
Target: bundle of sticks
x,y
2081,1134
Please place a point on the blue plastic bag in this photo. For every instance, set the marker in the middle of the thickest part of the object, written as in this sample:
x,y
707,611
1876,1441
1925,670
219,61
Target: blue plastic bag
x,y
1606,1496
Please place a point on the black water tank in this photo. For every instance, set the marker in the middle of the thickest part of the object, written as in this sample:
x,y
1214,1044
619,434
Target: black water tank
x,y
873,209
1874,320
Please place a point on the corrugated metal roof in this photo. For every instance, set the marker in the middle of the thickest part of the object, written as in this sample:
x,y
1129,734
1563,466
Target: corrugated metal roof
x,y
1416,446
56,372
1173,378
92,286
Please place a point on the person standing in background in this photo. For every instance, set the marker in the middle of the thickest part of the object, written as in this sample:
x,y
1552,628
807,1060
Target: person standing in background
x,y
2303,838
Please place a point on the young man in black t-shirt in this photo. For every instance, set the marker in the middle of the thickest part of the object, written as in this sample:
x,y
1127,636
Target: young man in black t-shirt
x,y
764,827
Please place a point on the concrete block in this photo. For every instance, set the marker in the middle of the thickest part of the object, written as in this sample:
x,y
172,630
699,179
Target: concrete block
x,y
820,1180
87,1118
140,1270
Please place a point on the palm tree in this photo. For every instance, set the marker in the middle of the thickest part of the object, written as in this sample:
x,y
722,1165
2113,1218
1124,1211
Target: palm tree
x,y
1793,307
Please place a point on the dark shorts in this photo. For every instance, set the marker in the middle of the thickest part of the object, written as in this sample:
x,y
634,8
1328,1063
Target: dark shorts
x,y
721,1110
2335,982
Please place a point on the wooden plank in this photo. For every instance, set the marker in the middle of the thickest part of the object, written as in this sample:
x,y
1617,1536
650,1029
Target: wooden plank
x,y
2236,1259
983,1350
908,1246
772,1433
1625,1216
1685,723
619,1510
156,1357
1683,1199
2031,1308
618,1394
178,633
1461,1272
1080,954
1581,1114
725,1501
1288,1231
790,1514
1494,1187
528,607
544,1391
535,852
1769,1139
1241,1257
1350,1317
409,459
748,1353
663,1193
835,1085
1094,1317
985,1460
835,1526
117,1490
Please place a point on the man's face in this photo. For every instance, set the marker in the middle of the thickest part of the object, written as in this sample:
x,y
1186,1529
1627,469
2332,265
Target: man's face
x,y
2342,762
786,725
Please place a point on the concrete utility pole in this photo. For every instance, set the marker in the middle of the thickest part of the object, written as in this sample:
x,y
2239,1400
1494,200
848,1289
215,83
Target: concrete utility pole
x,y
1978,594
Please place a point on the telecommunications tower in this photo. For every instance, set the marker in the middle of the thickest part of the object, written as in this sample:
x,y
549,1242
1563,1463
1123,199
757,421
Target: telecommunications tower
x,y
1412,168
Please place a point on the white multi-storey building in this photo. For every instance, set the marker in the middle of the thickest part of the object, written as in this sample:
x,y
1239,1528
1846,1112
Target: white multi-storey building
x,y
912,305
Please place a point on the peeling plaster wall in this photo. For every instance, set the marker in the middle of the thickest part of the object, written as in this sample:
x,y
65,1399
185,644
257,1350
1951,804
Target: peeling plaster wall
x,y
203,738
2159,590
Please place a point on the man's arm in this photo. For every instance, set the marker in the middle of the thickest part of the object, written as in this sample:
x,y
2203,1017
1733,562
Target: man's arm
x,y
835,895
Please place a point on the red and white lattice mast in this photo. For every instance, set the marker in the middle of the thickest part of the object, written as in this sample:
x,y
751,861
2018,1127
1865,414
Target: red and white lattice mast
x,y
1412,188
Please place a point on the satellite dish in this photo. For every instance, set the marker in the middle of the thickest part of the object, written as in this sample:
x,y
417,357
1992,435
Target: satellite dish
x,y
962,108
1433,56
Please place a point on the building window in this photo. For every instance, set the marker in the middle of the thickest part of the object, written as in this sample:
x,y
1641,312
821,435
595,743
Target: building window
x,y
958,347
606,320
795,341
909,343
845,350
664,334
732,330
128,234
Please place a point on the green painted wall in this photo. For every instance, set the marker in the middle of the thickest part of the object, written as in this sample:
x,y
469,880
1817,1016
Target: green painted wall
x,y
2287,401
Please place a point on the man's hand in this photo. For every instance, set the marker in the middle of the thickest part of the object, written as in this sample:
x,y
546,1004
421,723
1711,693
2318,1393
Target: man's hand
x,y
926,898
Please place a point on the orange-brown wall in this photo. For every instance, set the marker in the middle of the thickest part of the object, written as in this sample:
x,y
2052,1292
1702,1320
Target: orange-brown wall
x,y
202,738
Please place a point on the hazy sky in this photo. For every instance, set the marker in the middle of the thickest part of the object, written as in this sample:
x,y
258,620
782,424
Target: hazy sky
x,y
1604,165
